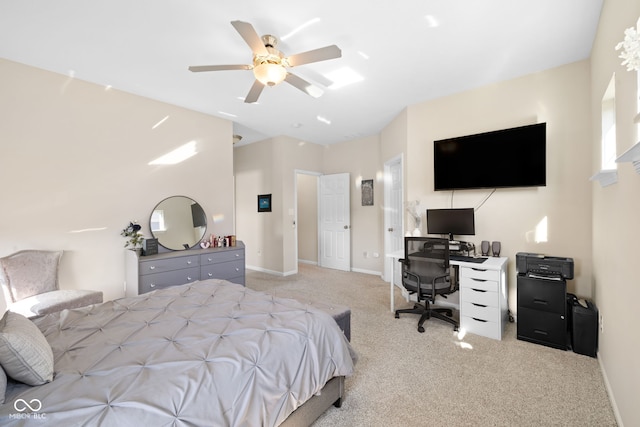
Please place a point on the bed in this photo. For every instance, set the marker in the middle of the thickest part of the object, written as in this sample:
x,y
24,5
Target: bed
x,y
209,353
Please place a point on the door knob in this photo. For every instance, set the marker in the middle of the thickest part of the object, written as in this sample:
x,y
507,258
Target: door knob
x,y
390,230
346,227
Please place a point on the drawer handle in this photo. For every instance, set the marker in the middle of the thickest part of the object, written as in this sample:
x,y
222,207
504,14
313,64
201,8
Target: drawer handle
x,y
538,331
478,269
539,301
152,285
237,269
478,290
189,262
237,255
478,280
210,274
479,320
479,305
209,259
188,278
152,267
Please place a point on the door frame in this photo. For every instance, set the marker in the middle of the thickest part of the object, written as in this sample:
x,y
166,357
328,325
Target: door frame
x,y
399,159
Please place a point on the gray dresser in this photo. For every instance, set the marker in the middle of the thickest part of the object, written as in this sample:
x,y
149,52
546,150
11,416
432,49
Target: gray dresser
x,y
147,273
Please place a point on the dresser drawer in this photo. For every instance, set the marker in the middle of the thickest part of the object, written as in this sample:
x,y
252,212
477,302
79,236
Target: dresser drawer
x,y
479,296
480,327
150,282
218,257
224,270
480,311
479,274
169,264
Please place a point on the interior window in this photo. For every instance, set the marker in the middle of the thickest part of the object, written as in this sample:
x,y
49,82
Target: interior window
x,y
157,220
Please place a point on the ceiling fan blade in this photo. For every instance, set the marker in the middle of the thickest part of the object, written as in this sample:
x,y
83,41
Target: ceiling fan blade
x,y
199,68
250,36
303,85
321,54
254,92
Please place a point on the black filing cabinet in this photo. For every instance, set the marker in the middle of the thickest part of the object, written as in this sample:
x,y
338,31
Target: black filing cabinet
x,y
542,311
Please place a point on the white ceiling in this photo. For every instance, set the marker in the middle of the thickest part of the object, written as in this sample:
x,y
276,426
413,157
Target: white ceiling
x,y
145,46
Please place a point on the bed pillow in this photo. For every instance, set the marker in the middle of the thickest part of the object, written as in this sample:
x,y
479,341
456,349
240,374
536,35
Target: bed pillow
x,y
25,354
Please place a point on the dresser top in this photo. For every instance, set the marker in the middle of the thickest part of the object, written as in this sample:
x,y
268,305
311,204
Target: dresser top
x,y
192,252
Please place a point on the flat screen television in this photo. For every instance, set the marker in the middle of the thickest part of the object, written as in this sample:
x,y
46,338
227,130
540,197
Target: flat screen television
x,y
454,221
513,157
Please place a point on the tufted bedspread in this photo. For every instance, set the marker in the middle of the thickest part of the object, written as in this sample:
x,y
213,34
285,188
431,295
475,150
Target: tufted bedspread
x,y
210,353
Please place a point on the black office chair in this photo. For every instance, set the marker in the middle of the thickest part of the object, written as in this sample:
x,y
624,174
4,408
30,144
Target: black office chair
x,y
425,274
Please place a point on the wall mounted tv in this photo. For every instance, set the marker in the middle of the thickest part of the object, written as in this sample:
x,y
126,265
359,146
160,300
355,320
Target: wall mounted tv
x,y
513,157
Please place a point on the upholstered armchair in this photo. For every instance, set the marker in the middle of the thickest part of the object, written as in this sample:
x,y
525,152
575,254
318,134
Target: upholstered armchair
x,y
29,282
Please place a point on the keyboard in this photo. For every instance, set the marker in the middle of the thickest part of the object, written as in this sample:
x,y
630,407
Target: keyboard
x,y
464,258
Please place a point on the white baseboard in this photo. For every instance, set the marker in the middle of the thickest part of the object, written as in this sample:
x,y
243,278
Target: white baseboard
x,y
616,413
306,261
372,272
264,270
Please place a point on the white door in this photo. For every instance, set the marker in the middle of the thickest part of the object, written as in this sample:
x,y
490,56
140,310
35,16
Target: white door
x,y
393,218
335,226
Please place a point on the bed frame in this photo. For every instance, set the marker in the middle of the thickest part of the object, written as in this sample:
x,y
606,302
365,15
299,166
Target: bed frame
x,y
305,415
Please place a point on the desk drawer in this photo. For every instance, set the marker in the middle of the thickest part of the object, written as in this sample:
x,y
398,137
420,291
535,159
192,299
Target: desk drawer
x,y
479,274
484,285
225,270
155,281
480,327
479,311
479,296
166,265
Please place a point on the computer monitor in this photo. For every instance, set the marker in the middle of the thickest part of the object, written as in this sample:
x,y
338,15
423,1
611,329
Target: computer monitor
x,y
458,221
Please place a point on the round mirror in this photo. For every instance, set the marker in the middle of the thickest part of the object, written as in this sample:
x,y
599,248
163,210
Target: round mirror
x,y
178,223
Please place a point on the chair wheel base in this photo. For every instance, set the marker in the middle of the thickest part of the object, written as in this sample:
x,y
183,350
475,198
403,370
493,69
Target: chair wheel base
x,y
420,329
397,316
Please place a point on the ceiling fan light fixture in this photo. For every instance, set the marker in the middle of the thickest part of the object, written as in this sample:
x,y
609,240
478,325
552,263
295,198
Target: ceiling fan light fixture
x,y
269,74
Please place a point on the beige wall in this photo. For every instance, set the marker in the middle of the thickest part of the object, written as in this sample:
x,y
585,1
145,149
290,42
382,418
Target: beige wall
x,y
361,158
73,156
269,167
256,169
559,97
616,213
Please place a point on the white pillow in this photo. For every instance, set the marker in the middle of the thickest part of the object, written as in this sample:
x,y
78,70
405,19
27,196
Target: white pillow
x,y
25,354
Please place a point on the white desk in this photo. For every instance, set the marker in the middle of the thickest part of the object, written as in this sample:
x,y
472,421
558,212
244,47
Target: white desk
x,y
483,294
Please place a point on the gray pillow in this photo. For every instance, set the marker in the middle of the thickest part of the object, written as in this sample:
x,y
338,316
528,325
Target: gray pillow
x,y
25,354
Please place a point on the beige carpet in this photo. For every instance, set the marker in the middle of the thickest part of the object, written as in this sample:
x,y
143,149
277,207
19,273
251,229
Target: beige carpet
x,y
404,378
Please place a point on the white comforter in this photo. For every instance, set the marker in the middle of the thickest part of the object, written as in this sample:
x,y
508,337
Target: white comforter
x,y
210,353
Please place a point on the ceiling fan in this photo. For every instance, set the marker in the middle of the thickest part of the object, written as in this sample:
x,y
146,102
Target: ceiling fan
x,y
270,65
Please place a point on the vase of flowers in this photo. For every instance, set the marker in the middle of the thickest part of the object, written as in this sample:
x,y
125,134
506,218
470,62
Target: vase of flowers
x,y
133,235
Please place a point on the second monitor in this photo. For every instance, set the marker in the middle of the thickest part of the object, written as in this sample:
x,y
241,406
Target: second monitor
x,y
454,221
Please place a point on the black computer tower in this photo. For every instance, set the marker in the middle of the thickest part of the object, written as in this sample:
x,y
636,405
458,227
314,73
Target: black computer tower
x,y
584,328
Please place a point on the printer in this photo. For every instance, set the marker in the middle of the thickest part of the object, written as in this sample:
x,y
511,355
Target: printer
x,y
538,265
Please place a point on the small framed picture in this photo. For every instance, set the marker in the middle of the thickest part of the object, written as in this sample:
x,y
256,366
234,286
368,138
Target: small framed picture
x,y
264,202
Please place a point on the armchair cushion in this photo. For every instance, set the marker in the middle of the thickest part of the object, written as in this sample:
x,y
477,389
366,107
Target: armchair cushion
x,y
25,354
28,273
52,302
